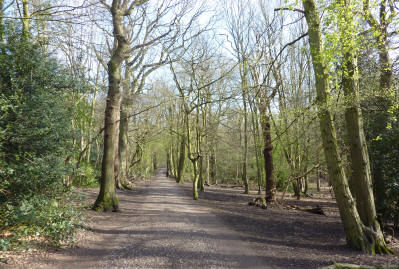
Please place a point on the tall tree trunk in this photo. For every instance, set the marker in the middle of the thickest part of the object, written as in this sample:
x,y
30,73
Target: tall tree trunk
x,y
116,145
195,179
357,235
361,175
168,163
256,146
97,164
212,166
297,188
306,187
360,163
182,160
270,194
318,179
2,41
193,158
121,164
383,96
123,142
154,161
173,155
122,167
201,182
25,18
107,199
244,175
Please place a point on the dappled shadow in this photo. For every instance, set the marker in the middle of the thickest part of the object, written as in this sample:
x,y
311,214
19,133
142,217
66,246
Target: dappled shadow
x,y
161,226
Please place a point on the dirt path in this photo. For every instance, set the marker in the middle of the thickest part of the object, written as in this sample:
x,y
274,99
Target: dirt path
x,y
160,226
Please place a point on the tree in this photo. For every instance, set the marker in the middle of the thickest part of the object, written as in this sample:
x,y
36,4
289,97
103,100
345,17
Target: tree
x,y
264,68
380,108
107,199
239,24
358,234
361,173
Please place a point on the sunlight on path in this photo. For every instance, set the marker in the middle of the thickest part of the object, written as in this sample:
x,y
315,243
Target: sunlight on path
x,y
160,226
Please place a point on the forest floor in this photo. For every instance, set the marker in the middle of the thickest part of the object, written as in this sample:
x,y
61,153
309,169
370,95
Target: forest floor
x,y
161,226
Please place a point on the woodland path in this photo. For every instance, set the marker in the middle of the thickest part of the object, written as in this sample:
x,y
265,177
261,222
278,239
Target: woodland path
x,y
160,226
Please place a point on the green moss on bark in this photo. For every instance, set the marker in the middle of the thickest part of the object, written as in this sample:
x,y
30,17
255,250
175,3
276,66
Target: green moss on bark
x,y
106,203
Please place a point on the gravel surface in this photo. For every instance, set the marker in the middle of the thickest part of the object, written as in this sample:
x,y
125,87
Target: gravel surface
x,y
160,226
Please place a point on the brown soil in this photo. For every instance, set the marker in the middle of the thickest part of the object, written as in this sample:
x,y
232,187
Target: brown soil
x,y
160,226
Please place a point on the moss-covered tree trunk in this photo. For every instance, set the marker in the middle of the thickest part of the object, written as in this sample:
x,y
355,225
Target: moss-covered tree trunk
x,y
212,166
384,93
256,146
195,179
123,143
2,43
168,163
122,163
244,175
193,156
306,185
318,179
172,153
360,163
297,188
107,199
122,167
25,18
201,181
207,170
356,235
182,160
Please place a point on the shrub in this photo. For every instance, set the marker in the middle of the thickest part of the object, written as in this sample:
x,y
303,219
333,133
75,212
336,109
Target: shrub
x,y
35,142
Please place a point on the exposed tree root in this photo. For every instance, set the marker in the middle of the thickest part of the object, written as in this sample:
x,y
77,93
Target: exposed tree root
x,y
124,185
375,242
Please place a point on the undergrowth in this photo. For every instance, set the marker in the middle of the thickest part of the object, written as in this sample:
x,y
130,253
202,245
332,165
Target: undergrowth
x,y
49,222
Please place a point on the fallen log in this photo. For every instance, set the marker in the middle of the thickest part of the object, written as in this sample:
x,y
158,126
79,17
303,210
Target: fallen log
x,y
259,202
316,210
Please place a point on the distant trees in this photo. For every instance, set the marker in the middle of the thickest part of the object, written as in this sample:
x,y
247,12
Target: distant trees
x,y
132,38
196,89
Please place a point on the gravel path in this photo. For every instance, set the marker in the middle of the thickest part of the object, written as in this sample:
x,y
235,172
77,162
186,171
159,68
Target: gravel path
x,y
160,226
